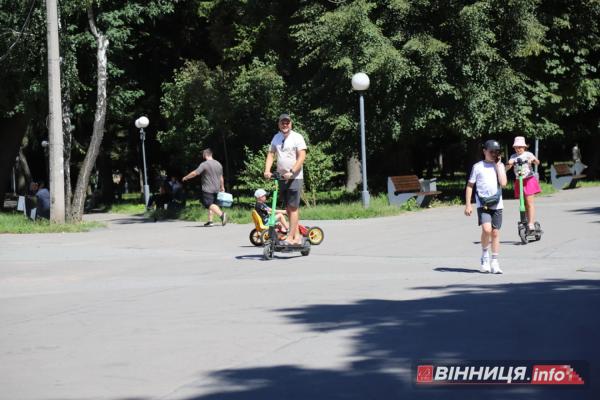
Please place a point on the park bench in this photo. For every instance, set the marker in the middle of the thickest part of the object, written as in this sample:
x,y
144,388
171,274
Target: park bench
x,y
564,177
403,188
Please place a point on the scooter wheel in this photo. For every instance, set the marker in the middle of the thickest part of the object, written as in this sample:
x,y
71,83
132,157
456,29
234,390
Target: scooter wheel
x,y
256,237
538,231
316,235
265,236
268,250
523,235
306,248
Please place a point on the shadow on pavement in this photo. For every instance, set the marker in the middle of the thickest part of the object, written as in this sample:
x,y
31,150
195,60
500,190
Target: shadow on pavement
x,y
591,210
260,256
464,270
513,242
141,219
250,257
550,320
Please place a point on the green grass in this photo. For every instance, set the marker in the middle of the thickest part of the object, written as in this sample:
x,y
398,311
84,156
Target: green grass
x,y
332,205
18,223
127,208
241,214
588,183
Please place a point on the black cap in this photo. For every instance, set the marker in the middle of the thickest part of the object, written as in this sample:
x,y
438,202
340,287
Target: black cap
x,y
491,145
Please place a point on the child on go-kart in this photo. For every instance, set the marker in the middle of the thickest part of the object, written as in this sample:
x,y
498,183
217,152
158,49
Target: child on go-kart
x,y
263,210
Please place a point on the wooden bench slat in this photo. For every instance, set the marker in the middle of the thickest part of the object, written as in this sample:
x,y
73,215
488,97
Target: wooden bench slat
x,y
403,187
406,183
421,193
562,170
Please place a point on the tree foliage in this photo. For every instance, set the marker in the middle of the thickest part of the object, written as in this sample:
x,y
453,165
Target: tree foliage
x,y
444,75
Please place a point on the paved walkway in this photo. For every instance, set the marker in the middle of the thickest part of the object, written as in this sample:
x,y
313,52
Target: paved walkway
x,y
173,310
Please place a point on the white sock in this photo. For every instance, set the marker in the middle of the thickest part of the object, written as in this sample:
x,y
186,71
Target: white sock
x,y
485,252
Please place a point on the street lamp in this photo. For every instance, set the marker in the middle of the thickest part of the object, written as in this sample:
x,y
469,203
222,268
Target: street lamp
x,y
141,123
360,83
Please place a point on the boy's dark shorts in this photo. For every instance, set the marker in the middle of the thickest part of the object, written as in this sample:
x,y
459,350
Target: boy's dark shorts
x,y
208,199
290,191
489,215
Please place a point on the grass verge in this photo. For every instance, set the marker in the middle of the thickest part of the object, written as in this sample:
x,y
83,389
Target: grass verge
x,y
333,205
18,223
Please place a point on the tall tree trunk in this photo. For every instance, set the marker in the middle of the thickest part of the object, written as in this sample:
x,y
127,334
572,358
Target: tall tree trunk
x,y
226,155
24,174
67,140
99,119
353,173
12,131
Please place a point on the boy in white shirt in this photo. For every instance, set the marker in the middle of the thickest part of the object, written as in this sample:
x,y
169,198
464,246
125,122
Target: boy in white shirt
x,y
489,177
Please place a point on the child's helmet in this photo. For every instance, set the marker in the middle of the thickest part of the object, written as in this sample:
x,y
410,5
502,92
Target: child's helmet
x,y
491,145
260,192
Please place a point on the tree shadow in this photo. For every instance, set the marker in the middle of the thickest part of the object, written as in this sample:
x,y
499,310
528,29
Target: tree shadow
x,y
590,210
550,320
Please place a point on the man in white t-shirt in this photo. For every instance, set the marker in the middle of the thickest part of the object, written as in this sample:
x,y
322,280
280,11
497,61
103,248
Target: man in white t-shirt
x,y
489,177
289,148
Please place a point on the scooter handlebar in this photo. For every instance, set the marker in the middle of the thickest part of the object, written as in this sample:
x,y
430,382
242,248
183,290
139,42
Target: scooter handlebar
x,y
275,176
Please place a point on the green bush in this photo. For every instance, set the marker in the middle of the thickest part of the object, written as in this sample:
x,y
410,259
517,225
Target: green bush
x,y
318,172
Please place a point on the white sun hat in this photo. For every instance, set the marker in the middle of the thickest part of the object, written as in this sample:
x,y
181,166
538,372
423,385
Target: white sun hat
x,y
520,142
260,192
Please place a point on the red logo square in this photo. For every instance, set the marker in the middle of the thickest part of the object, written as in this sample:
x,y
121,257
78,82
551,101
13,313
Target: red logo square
x,y
424,373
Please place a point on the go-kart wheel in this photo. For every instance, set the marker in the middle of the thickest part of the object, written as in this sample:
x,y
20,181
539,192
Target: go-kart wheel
x,y
316,235
538,231
256,237
268,250
523,234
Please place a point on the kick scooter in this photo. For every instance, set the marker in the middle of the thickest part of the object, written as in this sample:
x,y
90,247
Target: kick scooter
x,y
527,235
273,243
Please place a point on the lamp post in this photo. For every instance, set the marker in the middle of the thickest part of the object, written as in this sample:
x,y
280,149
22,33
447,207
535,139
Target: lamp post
x,y
360,83
141,123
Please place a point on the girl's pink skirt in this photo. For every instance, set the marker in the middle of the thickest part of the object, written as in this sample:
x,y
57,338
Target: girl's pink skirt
x,y
530,186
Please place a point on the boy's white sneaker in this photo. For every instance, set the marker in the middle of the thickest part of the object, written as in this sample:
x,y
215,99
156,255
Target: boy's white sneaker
x,y
495,265
485,265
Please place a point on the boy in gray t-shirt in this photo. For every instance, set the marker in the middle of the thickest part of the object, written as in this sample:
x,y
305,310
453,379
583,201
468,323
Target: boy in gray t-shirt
x,y
211,177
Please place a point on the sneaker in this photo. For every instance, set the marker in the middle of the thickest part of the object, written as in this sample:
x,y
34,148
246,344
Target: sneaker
x,y
495,266
485,265
223,219
209,223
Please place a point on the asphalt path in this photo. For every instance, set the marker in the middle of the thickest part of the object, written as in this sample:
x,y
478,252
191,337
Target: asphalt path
x,y
173,310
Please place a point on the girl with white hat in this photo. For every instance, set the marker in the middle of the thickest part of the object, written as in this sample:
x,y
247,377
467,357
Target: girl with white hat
x,y
531,186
